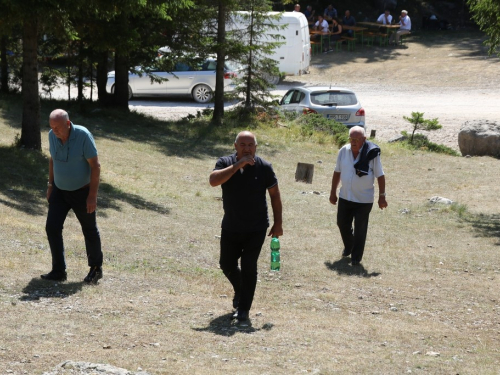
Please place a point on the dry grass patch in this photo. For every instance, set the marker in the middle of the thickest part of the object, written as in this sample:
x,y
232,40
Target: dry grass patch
x,y
429,280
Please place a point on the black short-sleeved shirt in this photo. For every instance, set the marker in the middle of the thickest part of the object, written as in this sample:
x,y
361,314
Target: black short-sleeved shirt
x,y
244,195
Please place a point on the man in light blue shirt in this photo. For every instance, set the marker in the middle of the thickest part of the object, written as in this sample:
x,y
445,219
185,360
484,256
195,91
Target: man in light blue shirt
x,y
74,172
358,164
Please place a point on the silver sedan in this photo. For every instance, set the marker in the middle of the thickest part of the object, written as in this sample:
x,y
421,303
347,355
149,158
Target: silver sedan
x,y
334,103
186,80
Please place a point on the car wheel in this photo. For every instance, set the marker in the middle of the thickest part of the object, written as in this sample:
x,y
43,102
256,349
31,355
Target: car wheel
x,y
272,79
202,94
130,94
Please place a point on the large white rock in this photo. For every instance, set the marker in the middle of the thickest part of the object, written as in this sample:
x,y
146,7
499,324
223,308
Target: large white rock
x,y
479,138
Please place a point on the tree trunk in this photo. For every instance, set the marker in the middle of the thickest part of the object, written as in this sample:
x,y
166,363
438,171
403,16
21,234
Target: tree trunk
x,y
104,98
121,81
80,71
30,133
248,88
4,71
219,72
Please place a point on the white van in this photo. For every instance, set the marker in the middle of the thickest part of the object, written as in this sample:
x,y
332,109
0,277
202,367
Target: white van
x,y
294,55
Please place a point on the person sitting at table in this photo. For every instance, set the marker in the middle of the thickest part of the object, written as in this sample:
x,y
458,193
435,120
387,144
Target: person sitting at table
x,y
385,18
322,26
336,33
330,12
309,13
348,20
405,22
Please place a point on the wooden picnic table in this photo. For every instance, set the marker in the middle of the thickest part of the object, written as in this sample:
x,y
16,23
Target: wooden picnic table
x,y
388,28
379,25
337,42
322,34
355,29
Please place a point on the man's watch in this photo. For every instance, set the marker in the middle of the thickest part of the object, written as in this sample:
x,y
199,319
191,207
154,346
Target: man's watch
x,y
382,194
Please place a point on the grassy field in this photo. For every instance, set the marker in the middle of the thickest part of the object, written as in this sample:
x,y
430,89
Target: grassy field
x,y
425,301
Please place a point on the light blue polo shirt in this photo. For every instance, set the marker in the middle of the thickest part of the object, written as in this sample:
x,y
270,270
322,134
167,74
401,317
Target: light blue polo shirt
x,y
71,168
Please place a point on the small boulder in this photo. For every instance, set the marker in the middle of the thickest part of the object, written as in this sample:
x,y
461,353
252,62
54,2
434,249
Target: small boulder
x,y
479,138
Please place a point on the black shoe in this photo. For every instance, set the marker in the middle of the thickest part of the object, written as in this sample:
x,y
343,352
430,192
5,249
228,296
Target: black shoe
x,y
55,276
356,263
346,253
236,300
241,315
94,275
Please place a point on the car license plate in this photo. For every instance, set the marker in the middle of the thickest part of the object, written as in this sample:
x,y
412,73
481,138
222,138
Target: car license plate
x,y
338,117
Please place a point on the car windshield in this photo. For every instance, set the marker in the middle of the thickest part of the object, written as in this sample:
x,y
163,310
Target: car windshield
x,y
333,98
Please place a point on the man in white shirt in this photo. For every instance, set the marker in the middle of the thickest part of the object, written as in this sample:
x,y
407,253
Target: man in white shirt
x,y
405,22
322,25
358,164
385,18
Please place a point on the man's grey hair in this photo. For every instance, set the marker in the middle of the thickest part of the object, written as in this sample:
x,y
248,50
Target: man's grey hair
x,y
59,114
245,131
357,129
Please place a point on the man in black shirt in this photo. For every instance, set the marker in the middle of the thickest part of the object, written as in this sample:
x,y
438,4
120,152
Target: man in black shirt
x,y
244,178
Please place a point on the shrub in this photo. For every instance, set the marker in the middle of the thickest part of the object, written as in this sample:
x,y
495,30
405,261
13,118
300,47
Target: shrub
x,y
315,123
419,123
421,142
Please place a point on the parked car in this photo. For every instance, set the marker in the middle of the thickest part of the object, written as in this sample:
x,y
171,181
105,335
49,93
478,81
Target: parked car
x,y
334,103
195,80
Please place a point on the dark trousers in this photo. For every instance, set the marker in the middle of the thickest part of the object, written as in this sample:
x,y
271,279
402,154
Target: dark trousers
x,y
60,202
246,246
354,238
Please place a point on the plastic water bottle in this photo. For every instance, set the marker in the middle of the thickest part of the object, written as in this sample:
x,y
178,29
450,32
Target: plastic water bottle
x,y
275,254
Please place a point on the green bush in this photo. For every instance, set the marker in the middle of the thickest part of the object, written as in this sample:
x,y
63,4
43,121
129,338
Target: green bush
x,y
314,123
421,142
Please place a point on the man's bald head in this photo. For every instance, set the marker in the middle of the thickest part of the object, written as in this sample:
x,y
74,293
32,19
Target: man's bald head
x,y
59,115
245,133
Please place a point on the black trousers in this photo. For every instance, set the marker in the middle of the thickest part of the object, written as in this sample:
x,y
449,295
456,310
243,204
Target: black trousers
x,y
354,238
60,202
246,246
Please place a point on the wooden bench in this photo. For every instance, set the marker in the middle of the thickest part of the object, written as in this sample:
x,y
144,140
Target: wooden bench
x,y
402,38
351,42
315,47
368,37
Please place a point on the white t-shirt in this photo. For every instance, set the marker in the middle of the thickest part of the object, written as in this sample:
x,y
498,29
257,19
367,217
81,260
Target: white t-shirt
x,y
323,27
354,188
407,25
382,19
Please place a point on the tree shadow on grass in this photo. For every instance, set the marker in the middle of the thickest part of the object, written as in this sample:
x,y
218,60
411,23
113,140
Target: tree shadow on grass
x,y
172,138
38,288
224,325
110,196
486,225
24,181
342,267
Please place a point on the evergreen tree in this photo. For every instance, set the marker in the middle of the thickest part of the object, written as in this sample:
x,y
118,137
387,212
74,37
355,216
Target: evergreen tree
x,y
486,14
256,35
419,123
